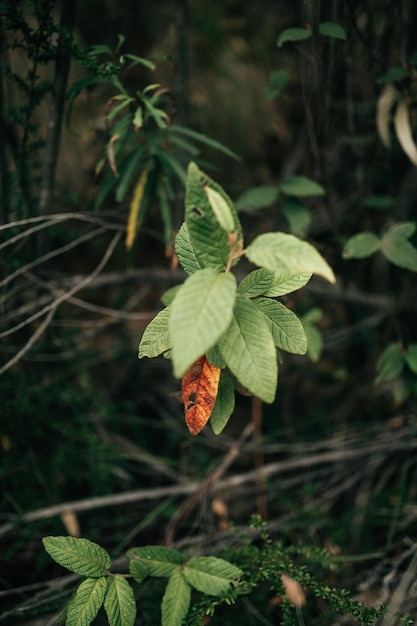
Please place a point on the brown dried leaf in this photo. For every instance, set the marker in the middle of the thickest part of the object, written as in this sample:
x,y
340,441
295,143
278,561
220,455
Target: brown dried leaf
x,y
403,130
383,110
294,592
70,521
199,392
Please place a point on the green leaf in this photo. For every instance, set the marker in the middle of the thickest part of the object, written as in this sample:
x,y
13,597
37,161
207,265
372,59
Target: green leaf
x,y
312,316
185,251
130,170
396,247
257,198
119,602
393,75
225,403
293,34
314,341
221,209
302,187
379,202
211,575
330,29
208,239
410,357
288,255
84,606
212,143
390,363
200,314
78,555
298,216
158,560
176,600
286,328
249,351
361,245
167,298
155,338
215,358
287,284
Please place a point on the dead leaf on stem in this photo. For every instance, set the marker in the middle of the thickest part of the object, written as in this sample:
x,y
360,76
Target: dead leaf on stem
x,y
199,392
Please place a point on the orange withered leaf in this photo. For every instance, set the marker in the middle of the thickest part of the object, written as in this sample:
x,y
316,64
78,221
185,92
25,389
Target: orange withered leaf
x,y
199,392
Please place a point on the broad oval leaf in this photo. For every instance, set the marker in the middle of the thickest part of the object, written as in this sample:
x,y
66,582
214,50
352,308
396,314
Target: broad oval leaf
x,y
331,29
155,339
84,606
211,575
287,284
403,130
257,198
263,282
208,239
199,392
396,247
200,314
78,555
249,351
410,357
225,403
288,255
158,560
390,363
293,34
286,328
221,209
361,246
176,600
298,216
185,251
119,603
301,187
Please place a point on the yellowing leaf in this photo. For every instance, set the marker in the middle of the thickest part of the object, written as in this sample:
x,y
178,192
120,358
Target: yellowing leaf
x,y
135,205
199,393
403,130
383,110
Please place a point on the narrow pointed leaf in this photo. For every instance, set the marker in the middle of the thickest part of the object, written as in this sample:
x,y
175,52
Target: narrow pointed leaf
x,y
302,187
361,246
185,251
386,100
119,602
293,34
396,247
286,328
225,403
211,575
410,357
158,560
199,393
200,314
78,555
176,600
87,601
249,351
403,130
288,255
221,209
155,338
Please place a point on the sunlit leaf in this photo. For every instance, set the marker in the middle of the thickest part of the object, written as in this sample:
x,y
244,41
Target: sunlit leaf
x,y
200,314
84,606
225,403
211,575
361,245
221,209
249,351
155,338
302,187
288,255
293,34
176,599
78,555
119,603
185,251
403,130
199,392
286,328
135,204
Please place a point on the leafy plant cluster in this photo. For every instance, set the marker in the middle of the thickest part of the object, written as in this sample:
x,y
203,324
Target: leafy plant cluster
x,y
238,328
198,585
